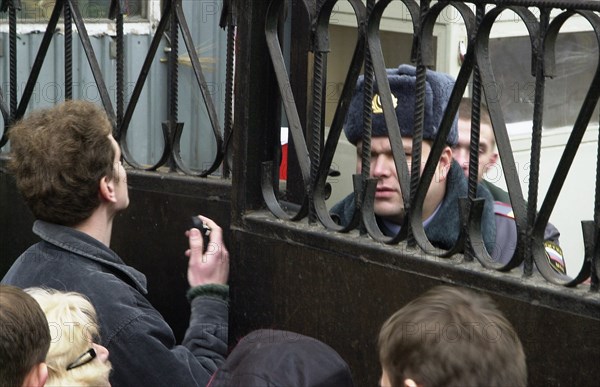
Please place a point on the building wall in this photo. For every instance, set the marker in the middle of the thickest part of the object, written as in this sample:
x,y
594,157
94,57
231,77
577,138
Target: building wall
x,y
145,136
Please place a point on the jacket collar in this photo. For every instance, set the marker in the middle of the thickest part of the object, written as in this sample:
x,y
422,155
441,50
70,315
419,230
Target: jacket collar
x,y
90,248
445,226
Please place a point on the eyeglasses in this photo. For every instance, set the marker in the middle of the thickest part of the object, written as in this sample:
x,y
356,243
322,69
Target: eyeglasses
x,y
83,359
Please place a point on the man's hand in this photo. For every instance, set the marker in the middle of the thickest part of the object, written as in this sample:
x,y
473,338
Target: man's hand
x,y
211,267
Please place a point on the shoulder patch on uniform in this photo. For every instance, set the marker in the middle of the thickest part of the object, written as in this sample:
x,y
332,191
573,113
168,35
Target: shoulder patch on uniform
x,y
555,257
504,209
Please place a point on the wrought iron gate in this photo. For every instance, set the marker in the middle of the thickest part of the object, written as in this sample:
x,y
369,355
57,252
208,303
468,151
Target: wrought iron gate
x,y
293,266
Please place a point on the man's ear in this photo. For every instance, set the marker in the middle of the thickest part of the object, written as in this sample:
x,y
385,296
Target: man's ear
x,y
37,376
107,189
410,383
493,161
445,163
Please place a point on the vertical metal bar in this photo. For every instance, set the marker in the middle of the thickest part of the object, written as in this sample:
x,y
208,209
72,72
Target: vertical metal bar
x,y
120,97
12,36
417,142
68,23
6,118
229,74
367,112
475,135
9,112
417,145
595,264
300,64
536,139
173,79
315,127
475,116
475,129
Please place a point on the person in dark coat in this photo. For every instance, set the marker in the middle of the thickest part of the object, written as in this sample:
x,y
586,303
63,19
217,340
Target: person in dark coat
x,y
67,166
276,358
441,206
441,219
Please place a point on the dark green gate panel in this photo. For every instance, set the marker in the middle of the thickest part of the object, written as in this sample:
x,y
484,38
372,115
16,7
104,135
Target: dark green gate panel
x,y
340,290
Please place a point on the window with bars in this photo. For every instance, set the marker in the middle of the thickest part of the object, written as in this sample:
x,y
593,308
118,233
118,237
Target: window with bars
x,y
576,62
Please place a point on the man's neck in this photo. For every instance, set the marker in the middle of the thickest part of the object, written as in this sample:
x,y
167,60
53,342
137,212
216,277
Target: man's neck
x,y
98,225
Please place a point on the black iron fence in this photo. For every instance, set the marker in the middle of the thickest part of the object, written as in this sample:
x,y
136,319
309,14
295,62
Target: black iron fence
x,y
314,157
172,22
270,76
314,154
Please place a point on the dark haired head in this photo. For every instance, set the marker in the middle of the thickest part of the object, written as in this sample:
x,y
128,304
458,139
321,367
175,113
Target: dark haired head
x,y
58,157
451,337
24,335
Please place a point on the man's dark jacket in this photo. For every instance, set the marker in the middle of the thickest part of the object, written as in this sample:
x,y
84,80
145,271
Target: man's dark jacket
x,y
506,226
444,228
142,346
498,193
498,227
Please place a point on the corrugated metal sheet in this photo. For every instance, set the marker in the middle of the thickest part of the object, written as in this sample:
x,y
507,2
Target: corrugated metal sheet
x,y
145,133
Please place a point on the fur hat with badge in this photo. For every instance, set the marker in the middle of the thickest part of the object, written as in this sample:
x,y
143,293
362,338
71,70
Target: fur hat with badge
x,y
438,88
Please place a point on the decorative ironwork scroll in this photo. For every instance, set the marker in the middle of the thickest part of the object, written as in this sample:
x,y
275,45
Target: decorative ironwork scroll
x,y
173,15
478,17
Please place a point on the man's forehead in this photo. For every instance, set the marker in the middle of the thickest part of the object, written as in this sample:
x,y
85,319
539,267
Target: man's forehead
x,y
377,144
486,133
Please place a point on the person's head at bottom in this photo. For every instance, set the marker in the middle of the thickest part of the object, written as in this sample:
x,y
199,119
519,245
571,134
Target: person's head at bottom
x,y
24,339
277,358
450,337
75,358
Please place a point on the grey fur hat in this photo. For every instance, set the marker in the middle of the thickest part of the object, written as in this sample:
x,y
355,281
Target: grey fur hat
x,y
438,88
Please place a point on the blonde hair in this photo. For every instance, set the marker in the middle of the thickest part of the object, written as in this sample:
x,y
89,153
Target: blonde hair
x,y
73,326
